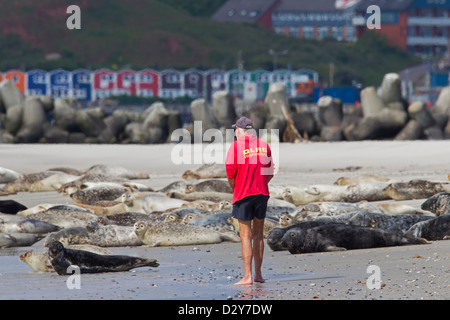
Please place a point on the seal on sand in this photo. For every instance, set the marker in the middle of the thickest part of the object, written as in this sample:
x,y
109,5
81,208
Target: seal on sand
x,y
175,234
8,175
212,185
11,206
396,222
8,240
434,229
150,203
112,235
39,262
129,218
438,204
99,192
74,235
415,189
343,181
206,171
116,171
217,222
275,236
338,237
208,196
27,181
88,262
27,226
350,193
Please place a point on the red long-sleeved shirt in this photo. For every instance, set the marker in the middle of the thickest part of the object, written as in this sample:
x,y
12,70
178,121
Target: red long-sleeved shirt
x,y
249,162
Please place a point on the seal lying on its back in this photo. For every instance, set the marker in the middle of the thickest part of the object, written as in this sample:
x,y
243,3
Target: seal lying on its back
x,y
8,175
338,237
434,229
8,240
438,204
351,193
88,262
27,226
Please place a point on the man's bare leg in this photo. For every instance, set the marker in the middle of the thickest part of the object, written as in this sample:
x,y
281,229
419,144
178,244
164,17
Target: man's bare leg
x,y
245,232
258,247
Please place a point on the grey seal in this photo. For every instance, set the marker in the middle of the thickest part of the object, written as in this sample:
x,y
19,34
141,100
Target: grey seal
x,y
396,222
434,229
338,237
89,262
438,204
275,236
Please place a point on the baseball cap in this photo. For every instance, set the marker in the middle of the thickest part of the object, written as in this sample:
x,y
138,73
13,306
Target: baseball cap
x,y
243,123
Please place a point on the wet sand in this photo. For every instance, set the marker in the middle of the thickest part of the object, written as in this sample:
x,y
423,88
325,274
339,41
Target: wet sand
x,y
207,272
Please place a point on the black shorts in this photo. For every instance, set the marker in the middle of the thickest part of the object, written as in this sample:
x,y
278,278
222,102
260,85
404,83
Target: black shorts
x,y
250,207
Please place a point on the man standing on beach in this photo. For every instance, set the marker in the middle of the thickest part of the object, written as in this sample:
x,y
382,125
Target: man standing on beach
x,y
249,169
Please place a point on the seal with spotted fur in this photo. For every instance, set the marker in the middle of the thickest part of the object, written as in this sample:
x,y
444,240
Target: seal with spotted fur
x,y
350,193
212,185
415,189
175,234
88,262
206,171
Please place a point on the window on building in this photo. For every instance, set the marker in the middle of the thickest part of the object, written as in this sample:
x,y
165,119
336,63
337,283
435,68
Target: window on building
x,y
308,32
293,31
425,12
425,31
350,33
322,32
336,33
442,32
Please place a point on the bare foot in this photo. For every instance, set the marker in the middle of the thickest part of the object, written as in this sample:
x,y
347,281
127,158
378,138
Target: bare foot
x,y
259,279
244,281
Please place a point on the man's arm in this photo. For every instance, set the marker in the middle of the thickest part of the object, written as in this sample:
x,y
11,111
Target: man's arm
x,y
231,182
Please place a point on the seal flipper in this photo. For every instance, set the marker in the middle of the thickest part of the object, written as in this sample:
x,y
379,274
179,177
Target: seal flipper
x,y
331,248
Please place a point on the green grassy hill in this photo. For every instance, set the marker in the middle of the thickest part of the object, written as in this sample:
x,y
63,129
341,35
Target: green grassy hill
x,y
138,34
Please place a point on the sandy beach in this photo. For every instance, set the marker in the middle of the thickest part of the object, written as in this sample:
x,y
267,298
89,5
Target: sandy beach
x,y
207,272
